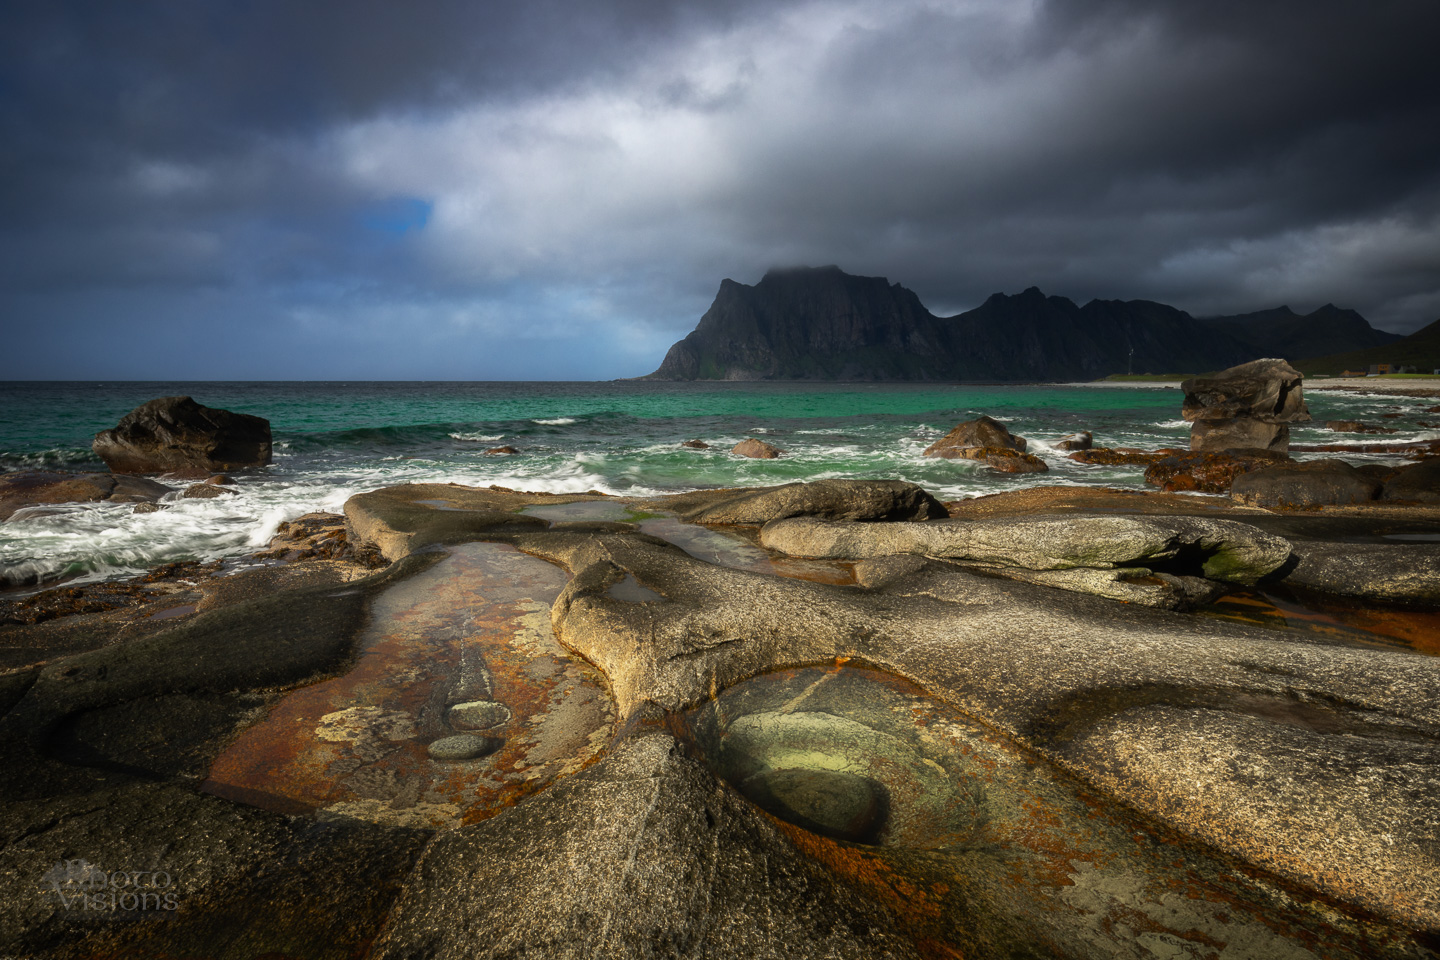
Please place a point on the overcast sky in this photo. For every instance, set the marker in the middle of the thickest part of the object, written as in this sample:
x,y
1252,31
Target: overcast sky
x,y
276,189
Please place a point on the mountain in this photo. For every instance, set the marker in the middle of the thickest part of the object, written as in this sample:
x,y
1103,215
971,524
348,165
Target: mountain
x,y
1421,350
1283,332
820,323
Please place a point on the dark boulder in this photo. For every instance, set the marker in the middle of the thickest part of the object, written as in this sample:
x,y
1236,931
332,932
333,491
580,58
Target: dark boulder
x,y
696,444
1418,481
1083,440
981,432
1318,483
505,451
1206,472
19,490
1245,407
756,449
179,436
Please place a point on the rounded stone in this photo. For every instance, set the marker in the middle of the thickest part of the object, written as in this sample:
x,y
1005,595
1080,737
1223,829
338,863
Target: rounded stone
x,y
845,806
464,746
478,715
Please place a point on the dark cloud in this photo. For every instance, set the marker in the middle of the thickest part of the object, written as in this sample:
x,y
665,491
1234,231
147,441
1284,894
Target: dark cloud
x,y
488,176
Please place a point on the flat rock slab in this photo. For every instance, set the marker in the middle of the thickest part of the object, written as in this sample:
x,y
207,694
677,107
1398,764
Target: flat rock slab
x,y
395,740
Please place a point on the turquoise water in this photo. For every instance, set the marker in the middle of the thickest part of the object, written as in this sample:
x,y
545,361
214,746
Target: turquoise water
x,y
336,439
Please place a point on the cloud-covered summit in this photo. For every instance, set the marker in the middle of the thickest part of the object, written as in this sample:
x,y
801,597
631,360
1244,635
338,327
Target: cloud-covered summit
x,y
556,189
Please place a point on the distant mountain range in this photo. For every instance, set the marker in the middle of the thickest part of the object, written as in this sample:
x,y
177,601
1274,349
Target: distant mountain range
x,y
820,323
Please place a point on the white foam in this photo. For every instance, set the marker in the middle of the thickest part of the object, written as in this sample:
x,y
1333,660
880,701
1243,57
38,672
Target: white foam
x,y
557,422
478,437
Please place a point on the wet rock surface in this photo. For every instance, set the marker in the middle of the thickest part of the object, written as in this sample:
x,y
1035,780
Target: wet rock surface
x,y
981,432
574,726
36,489
756,449
178,436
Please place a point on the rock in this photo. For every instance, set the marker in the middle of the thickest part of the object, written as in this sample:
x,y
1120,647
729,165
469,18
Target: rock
x,y
1206,472
643,849
826,499
1010,461
505,451
696,444
1354,426
1083,440
757,449
1248,406
205,491
1107,457
1223,550
147,508
1315,483
1393,572
28,489
462,747
1239,434
221,479
179,436
1418,481
982,432
478,715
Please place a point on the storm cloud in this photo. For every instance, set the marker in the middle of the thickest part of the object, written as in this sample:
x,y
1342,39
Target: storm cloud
x,y
555,190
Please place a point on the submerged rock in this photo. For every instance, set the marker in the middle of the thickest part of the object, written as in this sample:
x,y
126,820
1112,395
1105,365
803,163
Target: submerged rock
x,y
1083,440
176,435
756,449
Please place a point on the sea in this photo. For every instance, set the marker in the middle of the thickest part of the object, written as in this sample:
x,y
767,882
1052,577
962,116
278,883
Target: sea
x,y
333,440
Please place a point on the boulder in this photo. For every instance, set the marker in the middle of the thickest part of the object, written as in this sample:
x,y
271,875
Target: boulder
x,y
826,499
1083,440
505,451
696,444
1012,461
28,489
1206,472
981,432
179,436
205,491
1393,572
1317,483
756,449
1155,561
1247,406
1417,481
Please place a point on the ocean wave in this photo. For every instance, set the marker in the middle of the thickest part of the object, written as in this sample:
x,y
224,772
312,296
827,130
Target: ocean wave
x,y
477,437
556,422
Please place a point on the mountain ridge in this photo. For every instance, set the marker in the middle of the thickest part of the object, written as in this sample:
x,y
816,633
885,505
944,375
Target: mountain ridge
x,y
820,323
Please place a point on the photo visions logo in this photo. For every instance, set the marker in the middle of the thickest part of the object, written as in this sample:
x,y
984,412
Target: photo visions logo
x,y
81,885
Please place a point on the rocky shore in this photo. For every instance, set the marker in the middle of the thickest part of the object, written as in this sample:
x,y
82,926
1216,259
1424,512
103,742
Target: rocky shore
x,y
829,719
